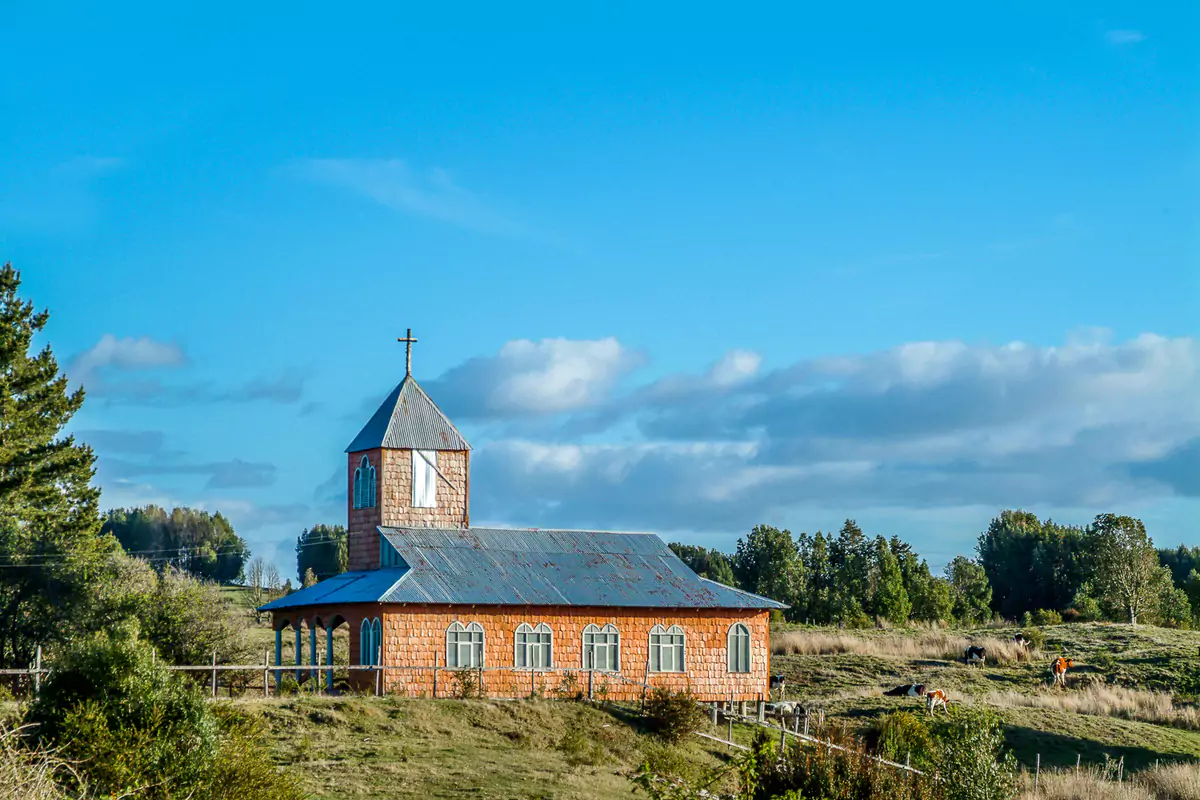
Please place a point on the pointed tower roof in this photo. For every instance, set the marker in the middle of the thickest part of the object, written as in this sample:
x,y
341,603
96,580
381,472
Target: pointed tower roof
x,y
409,420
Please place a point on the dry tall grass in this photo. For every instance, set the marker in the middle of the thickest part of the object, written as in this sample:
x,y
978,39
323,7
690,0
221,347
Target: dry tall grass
x,y
1169,782
1106,701
31,774
931,644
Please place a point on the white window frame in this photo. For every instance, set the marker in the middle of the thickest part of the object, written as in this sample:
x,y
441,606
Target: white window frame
x,y
609,645
533,646
424,479
671,642
737,648
464,638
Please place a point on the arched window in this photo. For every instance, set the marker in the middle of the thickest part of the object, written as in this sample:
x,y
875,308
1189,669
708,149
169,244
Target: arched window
x,y
364,484
370,636
666,649
738,646
464,645
533,646
602,648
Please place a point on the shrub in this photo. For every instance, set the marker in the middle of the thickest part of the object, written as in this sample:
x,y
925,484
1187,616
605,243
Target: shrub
x,y
903,736
1047,616
674,715
133,726
466,683
975,765
186,620
1036,638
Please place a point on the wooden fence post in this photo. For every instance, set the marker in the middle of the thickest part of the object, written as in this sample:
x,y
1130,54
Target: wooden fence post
x,y
591,681
435,672
1077,764
37,676
729,736
1037,771
714,713
1121,771
762,709
266,681
532,683
214,674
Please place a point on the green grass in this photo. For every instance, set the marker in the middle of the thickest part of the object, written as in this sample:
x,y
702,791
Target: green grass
x,y
849,686
396,748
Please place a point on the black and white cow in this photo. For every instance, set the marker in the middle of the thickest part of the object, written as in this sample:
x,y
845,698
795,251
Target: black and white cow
x,y
778,684
974,655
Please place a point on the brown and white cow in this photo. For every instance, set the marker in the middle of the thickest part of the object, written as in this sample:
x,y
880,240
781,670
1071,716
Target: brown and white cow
x,y
1059,670
906,690
935,698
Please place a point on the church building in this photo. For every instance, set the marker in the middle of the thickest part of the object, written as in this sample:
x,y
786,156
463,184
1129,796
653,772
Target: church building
x,y
427,596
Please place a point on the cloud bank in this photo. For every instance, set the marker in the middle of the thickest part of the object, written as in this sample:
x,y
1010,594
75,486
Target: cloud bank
x,y
1089,423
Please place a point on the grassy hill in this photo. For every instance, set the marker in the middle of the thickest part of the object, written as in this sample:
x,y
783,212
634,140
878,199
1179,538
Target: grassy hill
x,y
398,748
1119,700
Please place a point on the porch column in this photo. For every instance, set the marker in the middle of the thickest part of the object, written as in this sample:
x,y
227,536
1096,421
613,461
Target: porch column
x,y
329,658
299,653
312,652
278,655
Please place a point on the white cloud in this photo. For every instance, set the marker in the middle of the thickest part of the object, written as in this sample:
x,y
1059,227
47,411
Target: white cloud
x,y
1091,423
1125,36
431,193
550,376
129,353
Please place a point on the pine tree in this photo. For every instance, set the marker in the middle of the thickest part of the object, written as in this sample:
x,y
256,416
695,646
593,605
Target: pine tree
x,y
324,550
50,554
890,599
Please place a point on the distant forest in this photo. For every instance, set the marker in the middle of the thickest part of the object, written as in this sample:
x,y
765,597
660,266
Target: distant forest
x,y
1024,569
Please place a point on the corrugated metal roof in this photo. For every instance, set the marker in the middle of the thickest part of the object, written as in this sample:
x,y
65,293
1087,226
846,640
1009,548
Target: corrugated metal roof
x,y
498,566
501,566
349,587
409,420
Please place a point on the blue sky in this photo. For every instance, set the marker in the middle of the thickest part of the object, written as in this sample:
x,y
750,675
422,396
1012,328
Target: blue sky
x,y
683,269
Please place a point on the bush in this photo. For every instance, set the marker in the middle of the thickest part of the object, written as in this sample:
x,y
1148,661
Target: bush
x,y
186,620
133,726
1036,638
674,715
903,736
1047,616
975,765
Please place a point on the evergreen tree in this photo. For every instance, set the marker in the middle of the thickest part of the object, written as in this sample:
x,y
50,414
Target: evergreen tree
x,y
51,555
971,591
889,598
324,550
850,553
194,541
711,564
768,563
818,568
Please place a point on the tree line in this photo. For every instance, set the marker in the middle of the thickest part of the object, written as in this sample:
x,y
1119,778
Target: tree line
x,y
1024,568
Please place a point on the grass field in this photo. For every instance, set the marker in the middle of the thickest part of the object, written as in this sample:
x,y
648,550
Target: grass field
x,y
396,748
845,672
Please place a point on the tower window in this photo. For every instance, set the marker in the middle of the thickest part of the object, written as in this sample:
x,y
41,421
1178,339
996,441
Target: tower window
x,y
424,478
364,484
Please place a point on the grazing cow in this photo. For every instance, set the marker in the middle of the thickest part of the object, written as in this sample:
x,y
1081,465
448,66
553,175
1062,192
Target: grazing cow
x,y
1059,670
935,698
907,690
777,682
974,655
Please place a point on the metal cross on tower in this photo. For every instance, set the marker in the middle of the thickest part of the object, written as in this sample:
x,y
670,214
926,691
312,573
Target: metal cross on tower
x,y
408,343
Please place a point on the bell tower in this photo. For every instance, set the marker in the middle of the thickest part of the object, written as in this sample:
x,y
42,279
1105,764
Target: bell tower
x,y
408,467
